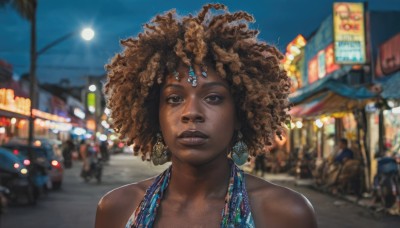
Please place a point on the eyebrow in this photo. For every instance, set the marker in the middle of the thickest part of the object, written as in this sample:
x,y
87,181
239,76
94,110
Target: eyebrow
x,y
203,85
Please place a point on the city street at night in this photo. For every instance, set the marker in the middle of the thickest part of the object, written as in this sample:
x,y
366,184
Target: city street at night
x,y
303,94
75,204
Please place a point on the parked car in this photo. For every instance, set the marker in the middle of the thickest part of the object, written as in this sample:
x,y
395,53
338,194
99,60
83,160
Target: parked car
x,y
44,158
14,176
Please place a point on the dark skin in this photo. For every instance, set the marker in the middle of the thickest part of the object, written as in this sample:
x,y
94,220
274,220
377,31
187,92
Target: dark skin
x,y
200,175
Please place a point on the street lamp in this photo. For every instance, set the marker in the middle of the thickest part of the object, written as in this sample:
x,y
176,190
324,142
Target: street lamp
x,y
86,34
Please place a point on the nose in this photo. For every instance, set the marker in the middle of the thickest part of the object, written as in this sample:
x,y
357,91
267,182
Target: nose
x,y
192,112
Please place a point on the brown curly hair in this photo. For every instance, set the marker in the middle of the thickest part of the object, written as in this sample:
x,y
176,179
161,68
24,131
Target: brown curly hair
x,y
259,85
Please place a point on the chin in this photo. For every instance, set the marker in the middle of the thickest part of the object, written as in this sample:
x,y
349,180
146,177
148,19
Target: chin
x,y
197,157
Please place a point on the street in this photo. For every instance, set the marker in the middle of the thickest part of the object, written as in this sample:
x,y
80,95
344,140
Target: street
x,y
75,204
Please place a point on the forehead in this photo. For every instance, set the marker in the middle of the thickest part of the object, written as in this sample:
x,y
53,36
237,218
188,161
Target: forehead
x,y
212,77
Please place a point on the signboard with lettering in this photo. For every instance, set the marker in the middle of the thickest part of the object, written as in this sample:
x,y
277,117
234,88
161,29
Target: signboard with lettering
x,y
349,33
389,56
12,103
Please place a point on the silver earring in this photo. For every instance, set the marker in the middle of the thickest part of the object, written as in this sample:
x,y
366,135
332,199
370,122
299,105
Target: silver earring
x,y
160,153
240,152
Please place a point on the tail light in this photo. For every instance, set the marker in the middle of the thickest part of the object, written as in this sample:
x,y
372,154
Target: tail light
x,y
56,164
16,152
27,162
120,145
16,165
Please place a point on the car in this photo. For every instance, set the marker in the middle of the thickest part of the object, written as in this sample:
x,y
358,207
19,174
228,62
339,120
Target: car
x,y
14,176
44,157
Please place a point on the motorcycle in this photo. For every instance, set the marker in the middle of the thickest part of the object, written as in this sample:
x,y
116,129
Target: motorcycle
x,y
387,185
95,170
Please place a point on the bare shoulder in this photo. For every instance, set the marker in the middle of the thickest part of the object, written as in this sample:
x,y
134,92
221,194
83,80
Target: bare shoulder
x,y
116,206
276,206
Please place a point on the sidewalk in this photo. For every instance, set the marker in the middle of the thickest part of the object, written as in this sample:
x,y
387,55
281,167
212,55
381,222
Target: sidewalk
x,y
366,201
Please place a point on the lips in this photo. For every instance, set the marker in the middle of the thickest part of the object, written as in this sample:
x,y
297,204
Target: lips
x,y
192,138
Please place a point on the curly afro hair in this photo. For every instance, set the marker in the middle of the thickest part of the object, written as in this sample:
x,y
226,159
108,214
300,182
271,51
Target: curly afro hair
x,y
259,85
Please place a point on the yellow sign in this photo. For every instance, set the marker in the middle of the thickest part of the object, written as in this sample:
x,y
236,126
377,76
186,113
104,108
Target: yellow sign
x,y
349,33
11,103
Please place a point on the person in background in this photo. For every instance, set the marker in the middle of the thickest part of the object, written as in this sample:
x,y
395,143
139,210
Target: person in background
x,y
83,152
104,151
344,152
67,150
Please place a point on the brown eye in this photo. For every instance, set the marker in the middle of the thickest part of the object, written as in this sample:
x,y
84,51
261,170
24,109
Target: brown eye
x,y
174,99
214,99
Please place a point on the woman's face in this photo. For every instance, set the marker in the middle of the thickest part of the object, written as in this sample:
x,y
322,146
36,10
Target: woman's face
x,y
197,123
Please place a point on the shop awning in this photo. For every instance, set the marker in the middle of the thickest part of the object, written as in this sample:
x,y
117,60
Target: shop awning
x,y
335,86
391,87
326,103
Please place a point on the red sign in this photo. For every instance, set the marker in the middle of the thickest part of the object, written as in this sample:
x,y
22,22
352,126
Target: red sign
x,y
330,60
313,70
389,57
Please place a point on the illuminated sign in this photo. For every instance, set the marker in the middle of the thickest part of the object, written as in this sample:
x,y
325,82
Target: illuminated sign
x,y
48,116
330,60
91,125
91,102
349,36
389,56
313,70
321,64
11,103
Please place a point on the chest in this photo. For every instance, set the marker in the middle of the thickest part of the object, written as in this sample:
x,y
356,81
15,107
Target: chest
x,y
190,214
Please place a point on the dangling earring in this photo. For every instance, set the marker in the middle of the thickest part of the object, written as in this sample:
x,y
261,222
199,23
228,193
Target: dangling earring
x,y
240,152
160,152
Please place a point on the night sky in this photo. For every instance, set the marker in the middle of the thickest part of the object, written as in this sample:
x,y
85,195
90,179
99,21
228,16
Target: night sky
x,y
278,20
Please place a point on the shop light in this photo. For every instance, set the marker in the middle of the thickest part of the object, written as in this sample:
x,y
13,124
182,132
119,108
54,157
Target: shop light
x,y
92,88
107,111
2,130
79,113
88,135
390,104
113,137
79,131
13,120
396,110
103,137
299,124
105,124
319,123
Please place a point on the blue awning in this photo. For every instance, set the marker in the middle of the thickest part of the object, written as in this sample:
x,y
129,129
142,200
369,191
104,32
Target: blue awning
x,y
391,86
333,85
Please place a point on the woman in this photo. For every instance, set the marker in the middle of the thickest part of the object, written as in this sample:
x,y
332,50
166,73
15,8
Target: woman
x,y
198,91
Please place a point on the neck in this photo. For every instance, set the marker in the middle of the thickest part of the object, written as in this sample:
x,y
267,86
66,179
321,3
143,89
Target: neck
x,y
203,181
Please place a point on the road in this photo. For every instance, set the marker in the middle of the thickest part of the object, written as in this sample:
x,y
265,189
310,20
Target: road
x,y
75,204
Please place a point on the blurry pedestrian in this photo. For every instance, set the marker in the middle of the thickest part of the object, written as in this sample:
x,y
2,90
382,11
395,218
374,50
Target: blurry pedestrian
x,y
83,152
104,151
68,148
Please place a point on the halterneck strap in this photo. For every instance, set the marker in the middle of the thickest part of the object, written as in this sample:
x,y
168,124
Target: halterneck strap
x,y
236,212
